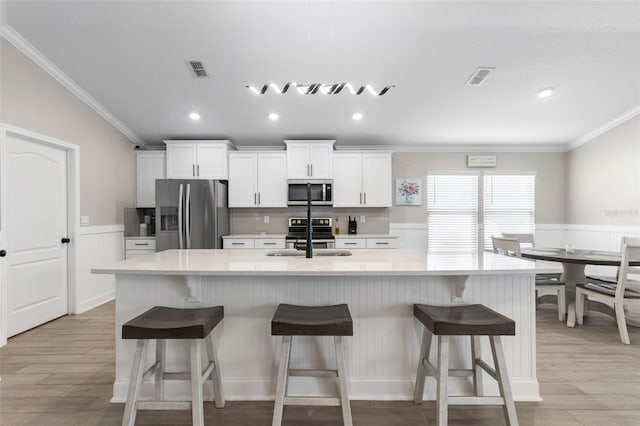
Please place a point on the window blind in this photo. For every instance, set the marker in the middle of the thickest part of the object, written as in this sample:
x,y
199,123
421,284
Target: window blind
x,y
509,205
452,212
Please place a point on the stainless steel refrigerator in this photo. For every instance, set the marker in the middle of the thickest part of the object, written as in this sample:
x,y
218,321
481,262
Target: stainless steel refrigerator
x,y
191,214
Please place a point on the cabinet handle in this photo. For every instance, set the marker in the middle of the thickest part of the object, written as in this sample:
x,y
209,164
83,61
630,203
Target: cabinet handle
x,y
258,198
237,244
255,198
3,253
311,169
381,243
198,169
361,198
350,244
365,198
193,170
141,244
269,244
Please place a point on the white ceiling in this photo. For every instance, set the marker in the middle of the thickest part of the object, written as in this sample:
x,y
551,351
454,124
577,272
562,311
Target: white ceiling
x,y
130,56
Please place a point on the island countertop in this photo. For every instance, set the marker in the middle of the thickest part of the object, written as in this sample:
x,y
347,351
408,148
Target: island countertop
x,y
362,262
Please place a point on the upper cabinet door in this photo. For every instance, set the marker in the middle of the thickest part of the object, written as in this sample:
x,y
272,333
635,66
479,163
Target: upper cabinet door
x,y
149,167
297,161
347,180
181,161
272,179
212,161
309,159
243,191
321,160
376,180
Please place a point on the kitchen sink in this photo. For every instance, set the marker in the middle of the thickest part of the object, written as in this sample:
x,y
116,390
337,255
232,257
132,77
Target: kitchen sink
x,y
316,252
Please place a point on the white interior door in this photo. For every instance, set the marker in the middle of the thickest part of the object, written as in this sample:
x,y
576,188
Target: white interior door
x,y
36,190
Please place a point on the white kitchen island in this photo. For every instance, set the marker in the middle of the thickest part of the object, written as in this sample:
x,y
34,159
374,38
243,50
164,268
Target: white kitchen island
x,y
380,287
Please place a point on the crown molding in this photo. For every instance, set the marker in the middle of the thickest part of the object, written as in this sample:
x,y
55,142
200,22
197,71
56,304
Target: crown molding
x,y
604,128
466,148
13,37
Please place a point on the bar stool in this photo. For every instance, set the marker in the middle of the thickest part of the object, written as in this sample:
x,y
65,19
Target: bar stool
x,y
292,320
162,323
473,321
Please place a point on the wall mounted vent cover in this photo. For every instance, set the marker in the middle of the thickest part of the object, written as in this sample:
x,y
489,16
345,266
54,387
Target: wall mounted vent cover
x,y
478,76
197,69
482,161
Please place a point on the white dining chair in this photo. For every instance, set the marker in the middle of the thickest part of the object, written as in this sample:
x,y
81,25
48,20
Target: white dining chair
x,y
546,284
610,294
613,279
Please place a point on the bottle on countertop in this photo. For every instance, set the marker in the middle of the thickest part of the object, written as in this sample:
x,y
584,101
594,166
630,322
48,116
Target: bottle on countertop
x,y
337,225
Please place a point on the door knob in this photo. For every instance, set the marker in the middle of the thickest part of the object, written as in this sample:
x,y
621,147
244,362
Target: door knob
x,y
65,240
3,253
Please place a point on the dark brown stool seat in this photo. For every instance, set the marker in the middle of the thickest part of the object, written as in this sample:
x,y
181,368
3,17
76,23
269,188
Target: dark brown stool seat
x,y
294,320
468,320
473,321
161,323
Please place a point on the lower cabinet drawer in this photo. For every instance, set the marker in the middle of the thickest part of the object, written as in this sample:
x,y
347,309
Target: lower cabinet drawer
x,y
128,254
140,244
351,243
269,243
380,243
238,243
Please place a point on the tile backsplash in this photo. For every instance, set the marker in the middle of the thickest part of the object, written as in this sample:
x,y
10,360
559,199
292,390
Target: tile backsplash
x,y
250,221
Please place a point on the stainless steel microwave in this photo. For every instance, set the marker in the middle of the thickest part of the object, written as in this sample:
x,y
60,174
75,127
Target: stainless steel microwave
x,y
321,192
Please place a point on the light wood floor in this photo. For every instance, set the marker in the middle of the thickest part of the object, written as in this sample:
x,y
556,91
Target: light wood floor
x,y
62,373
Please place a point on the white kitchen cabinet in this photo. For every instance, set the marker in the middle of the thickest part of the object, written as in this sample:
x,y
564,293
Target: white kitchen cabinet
x,y
257,179
368,242
150,165
197,159
139,247
238,243
362,179
269,243
309,159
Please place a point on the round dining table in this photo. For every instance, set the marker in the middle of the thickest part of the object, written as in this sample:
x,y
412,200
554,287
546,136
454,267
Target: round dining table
x,y
573,263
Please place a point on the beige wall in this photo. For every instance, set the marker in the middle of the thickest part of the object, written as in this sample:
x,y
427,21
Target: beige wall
x,y
603,178
31,99
549,168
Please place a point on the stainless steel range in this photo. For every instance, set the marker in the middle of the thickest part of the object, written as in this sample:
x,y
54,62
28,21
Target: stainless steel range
x,y
321,232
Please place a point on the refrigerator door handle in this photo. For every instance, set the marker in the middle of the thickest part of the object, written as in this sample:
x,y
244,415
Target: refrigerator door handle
x,y
188,216
180,217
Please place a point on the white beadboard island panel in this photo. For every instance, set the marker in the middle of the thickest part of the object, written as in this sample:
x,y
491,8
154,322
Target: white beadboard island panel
x,y
380,289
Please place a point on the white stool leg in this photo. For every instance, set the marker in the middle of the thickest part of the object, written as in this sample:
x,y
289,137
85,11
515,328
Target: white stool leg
x,y
421,375
443,376
579,306
503,381
476,353
283,377
342,381
161,357
137,369
215,374
622,323
197,409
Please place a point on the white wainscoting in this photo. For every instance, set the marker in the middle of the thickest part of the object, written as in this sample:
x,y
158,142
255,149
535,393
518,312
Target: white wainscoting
x,y
97,246
594,237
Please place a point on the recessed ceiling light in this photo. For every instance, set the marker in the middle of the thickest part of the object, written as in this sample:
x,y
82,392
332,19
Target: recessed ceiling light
x,y
194,116
273,116
544,93
357,116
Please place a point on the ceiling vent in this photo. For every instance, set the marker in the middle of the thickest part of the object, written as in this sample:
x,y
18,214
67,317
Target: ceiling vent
x,y
197,69
478,76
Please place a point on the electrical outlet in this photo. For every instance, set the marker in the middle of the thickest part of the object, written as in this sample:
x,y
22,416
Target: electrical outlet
x,y
362,219
266,219
84,220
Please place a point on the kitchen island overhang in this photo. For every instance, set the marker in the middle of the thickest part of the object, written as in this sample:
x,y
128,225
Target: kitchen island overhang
x,y
380,287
